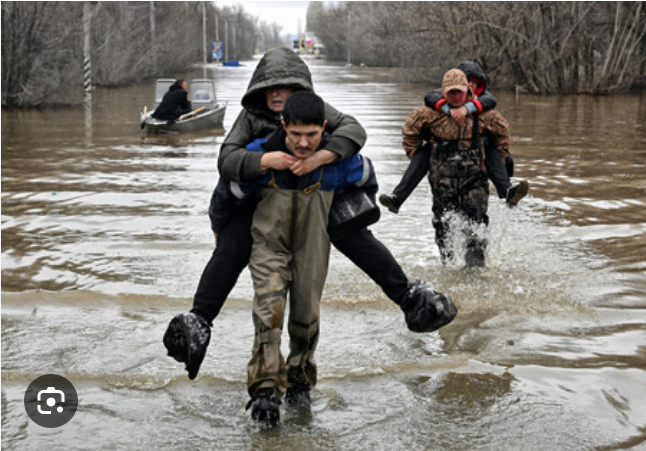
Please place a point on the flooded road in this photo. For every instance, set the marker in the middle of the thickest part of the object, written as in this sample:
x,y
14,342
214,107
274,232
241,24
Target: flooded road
x,y
105,235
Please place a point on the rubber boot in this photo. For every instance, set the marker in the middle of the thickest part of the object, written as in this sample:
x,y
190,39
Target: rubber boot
x,y
186,339
426,310
265,407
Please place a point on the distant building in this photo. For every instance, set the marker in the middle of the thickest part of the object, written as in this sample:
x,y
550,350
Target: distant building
x,y
308,45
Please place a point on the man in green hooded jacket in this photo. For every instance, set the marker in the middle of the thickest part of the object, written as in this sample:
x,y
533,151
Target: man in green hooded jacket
x,y
279,73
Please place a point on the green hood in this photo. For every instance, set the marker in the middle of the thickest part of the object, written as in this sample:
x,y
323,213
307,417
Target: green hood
x,y
277,67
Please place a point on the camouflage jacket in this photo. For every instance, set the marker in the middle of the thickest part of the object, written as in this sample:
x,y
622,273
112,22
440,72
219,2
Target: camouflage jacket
x,y
425,124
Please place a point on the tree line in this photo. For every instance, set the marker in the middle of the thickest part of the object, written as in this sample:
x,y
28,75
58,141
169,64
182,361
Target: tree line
x,y
42,44
537,47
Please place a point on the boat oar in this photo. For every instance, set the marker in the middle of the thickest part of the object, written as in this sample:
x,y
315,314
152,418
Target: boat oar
x,y
192,113
143,117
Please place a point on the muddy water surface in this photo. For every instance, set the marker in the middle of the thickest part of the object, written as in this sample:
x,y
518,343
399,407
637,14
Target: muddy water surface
x,y
105,235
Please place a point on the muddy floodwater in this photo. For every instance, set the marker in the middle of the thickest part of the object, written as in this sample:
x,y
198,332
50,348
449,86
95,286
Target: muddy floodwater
x,y
105,235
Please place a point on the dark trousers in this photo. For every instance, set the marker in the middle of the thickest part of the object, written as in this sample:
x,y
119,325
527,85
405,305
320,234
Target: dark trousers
x,y
415,172
229,259
372,257
233,251
496,171
420,164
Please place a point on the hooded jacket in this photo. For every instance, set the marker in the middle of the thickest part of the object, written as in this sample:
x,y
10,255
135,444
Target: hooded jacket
x,y
482,101
279,67
228,196
356,171
174,104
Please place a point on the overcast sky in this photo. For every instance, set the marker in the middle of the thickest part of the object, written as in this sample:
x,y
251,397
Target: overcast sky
x,y
285,13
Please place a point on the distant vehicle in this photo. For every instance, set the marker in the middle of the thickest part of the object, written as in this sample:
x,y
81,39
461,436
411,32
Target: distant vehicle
x,y
207,112
308,47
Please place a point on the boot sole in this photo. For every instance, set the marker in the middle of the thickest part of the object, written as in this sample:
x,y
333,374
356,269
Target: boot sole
x,y
523,189
386,202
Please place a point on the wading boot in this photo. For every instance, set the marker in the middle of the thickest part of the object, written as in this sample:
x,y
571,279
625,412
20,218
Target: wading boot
x,y
265,407
298,396
516,193
186,339
390,202
426,310
474,258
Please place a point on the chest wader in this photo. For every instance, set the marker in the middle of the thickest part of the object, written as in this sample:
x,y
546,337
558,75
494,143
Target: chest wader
x,y
290,255
459,183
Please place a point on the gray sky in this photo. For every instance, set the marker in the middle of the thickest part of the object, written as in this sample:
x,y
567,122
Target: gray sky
x,y
285,13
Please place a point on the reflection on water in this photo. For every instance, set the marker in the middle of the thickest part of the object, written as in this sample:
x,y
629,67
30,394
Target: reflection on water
x,y
105,233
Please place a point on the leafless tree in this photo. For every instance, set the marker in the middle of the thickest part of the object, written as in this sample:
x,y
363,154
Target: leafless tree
x,y
546,47
268,36
27,29
42,45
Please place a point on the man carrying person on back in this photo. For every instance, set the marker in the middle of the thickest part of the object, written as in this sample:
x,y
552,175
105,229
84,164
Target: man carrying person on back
x,y
290,255
457,163
279,74
499,167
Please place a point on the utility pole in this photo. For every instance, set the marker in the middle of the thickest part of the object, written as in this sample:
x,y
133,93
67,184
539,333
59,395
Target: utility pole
x,y
153,36
152,21
217,55
348,40
87,70
204,36
233,47
87,61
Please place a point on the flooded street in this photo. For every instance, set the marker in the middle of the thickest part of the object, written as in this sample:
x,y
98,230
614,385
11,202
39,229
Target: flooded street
x,y
105,236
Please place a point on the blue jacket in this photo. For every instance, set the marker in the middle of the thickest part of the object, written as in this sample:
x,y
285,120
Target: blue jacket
x,y
228,196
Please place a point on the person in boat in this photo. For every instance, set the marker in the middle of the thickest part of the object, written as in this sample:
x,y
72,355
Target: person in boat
x,y
499,166
279,73
457,174
175,102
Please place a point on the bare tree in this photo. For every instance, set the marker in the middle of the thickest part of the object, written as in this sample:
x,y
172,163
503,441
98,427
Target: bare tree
x,y
268,36
27,29
547,47
42,45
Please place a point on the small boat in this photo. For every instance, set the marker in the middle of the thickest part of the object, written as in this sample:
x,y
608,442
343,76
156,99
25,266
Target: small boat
x,y
207,112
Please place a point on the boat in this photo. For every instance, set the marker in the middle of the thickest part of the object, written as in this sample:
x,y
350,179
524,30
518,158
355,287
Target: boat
x,y
207,112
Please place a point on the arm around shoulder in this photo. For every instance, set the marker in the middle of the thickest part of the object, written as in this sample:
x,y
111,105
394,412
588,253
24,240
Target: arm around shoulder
x,y
347,135
435,100
484,102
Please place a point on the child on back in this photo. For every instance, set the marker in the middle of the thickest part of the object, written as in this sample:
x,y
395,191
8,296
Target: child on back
x,y
290,254
499,166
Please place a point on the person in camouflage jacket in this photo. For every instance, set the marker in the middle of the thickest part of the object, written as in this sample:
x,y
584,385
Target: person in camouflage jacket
x,y
498,170
457,164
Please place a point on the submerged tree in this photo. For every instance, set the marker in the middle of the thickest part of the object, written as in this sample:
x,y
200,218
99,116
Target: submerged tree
x,y
42,44
54,61
548,47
